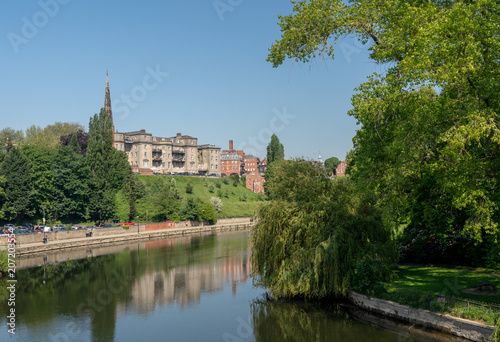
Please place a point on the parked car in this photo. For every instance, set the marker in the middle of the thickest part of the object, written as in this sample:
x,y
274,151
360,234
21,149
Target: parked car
x,y
29,226
60,227
9,226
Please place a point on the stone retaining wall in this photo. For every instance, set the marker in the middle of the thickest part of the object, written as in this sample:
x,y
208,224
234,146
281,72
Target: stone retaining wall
x,y
123,237
451,325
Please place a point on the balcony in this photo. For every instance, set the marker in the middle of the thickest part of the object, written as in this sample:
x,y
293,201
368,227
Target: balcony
x,y
179,159
128,140
157,158
178,150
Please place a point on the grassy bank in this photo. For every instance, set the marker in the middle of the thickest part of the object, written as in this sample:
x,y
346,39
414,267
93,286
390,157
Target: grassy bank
x,y
419,287
237,200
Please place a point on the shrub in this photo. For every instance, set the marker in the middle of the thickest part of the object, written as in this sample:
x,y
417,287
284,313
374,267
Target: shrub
x,y
216,202
189,188
211,187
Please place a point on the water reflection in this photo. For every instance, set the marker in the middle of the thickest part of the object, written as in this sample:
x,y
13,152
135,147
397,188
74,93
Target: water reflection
x,y
185,289
314,322
95,292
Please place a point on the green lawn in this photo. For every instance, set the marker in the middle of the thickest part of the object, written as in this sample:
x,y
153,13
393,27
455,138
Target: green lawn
x,y
419,287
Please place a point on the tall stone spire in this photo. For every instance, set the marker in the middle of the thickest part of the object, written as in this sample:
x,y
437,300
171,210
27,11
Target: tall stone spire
x,y
107,103
320,160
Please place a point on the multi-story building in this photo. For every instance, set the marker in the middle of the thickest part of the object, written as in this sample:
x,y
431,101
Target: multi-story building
x,y
340,171
255,182
209,160
232,161
251,163
158,155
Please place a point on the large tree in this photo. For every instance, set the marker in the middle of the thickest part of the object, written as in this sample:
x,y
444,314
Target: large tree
x,y
109,167
431,120
72,180
331,164
51,134
18,187
318,236
275,150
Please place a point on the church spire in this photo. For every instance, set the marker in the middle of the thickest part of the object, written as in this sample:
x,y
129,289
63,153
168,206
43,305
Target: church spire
x,y
107,102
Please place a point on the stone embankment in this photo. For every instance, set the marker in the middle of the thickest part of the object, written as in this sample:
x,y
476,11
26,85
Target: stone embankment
x,y
464,328
59,240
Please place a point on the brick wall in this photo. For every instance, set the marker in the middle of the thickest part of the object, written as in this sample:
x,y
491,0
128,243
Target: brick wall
x,y
159,226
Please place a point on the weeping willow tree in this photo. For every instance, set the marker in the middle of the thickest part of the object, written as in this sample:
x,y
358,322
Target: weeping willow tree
x,y
318,237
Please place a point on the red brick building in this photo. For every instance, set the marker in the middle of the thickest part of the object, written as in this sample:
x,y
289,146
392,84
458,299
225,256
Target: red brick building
x,y
341,169
232,161
255,182
251,163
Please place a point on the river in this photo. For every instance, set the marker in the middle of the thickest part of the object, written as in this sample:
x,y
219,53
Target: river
x,y
195,288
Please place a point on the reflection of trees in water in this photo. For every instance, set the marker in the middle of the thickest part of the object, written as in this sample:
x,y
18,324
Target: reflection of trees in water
x,y
299,321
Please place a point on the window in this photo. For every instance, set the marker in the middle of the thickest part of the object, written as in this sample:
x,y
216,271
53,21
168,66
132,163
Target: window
x,y
216,167
211,167
192,157
136,154
212,158
145,154
145,147
169,165
169,148
192,150
163,148
135,147
145,163
163,164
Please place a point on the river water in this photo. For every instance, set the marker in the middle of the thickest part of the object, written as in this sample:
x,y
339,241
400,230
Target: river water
x,y
195,288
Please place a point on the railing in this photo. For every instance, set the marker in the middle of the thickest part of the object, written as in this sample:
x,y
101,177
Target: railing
x,y
178,150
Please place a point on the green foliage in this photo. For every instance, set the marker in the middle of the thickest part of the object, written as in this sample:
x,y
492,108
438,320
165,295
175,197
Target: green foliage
x,y
18,187
51,134
211,187
495,337
275,150
191,210
429,137
72,181
310,238
207,213
12,136
4,265
109,167
189,188
225,180
331,164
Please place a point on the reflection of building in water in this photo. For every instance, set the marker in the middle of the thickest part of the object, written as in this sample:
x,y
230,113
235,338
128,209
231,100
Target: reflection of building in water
x,y
184,285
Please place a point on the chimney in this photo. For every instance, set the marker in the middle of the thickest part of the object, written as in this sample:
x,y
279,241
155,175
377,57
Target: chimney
x,y
178,135
230,145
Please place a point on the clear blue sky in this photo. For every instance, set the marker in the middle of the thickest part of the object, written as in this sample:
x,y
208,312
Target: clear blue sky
x,y
219,86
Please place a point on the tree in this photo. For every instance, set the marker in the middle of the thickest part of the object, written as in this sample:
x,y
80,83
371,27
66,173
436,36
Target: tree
x,y
82,137
331,164
51,134
207,213
10,136
275,150
18,188
109,167
216,202
191,210
2,195
41,176
317,234
72,182
432,118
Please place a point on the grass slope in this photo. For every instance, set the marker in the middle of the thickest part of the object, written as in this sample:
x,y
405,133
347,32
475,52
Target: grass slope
x,y
237,201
